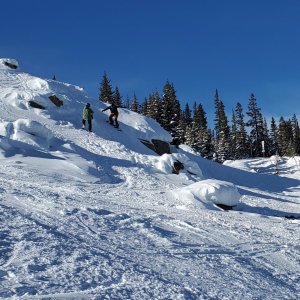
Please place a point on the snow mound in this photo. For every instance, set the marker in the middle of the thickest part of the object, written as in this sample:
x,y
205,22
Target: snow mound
x,y
143,127
211,191
37,84
166,162
26,131
10,61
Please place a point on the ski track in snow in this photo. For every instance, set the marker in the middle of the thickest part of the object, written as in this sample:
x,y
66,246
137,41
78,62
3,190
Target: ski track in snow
x,y
99,222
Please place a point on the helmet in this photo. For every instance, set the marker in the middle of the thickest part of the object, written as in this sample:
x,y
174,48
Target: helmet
x,y
88,105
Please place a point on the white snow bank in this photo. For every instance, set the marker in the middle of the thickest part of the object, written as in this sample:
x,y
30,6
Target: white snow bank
x,y
166,162
293,161
36,83
241,164
143,127
8,60
210,191
27,131
4,146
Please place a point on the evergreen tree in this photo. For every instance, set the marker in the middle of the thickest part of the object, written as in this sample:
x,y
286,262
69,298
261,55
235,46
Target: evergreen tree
x,y
273,138
144,107
127,103
170,111
117,99
190,138
234,134
106,92
256,125
176,129
154,106
241,148
283,137
266,139
203,137
178,132
222,131
295,134
191,130
217,115
135,104
170,108
187,115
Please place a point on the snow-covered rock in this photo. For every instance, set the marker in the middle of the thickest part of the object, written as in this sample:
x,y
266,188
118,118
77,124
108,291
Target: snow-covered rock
x,y
165,164
210,191
8,63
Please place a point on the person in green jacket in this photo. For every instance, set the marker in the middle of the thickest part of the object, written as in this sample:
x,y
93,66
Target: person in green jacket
x,y
87,115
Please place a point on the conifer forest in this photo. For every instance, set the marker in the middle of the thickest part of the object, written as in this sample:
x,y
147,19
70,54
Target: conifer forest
x,y
245,133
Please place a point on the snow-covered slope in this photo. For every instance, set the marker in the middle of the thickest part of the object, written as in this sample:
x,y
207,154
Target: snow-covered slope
x,y
100,216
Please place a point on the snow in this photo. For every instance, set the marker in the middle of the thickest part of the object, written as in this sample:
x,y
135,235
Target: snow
x,y
212,191
100,216
8,60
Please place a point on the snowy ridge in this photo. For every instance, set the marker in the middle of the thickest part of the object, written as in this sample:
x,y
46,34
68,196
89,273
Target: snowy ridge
x,y
100,216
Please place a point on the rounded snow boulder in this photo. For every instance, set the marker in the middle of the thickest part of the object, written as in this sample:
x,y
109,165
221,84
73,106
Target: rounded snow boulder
x,y
217,191
209,191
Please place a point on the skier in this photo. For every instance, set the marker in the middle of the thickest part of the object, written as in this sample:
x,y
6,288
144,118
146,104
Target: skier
x,y
87,115
113,114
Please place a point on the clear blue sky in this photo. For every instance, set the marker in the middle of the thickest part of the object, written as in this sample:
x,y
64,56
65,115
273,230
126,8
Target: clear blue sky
x,y
237,46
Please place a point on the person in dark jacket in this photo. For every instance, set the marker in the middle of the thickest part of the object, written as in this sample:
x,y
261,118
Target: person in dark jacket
x,y
113,114
87,115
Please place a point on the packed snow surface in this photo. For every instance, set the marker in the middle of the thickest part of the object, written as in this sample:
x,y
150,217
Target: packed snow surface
x,y
100,216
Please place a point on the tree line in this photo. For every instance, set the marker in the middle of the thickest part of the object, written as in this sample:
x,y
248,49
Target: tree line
x,y
245,135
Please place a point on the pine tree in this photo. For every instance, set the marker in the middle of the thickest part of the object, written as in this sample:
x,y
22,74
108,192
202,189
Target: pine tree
x,y
266,139
192,130
106,92
273,138
126,104
154,106
135,104
283,137
203,137
190,138
170,108
117,99
256,125
187,114
170,111
222,131
234,134
178,132
217,115
295,134
144,107
241,149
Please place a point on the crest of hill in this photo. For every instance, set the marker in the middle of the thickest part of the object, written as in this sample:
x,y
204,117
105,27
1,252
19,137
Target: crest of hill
x,y
30,128
20,90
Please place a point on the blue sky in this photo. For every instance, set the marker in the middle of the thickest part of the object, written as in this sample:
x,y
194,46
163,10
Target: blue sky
x,y
237,46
